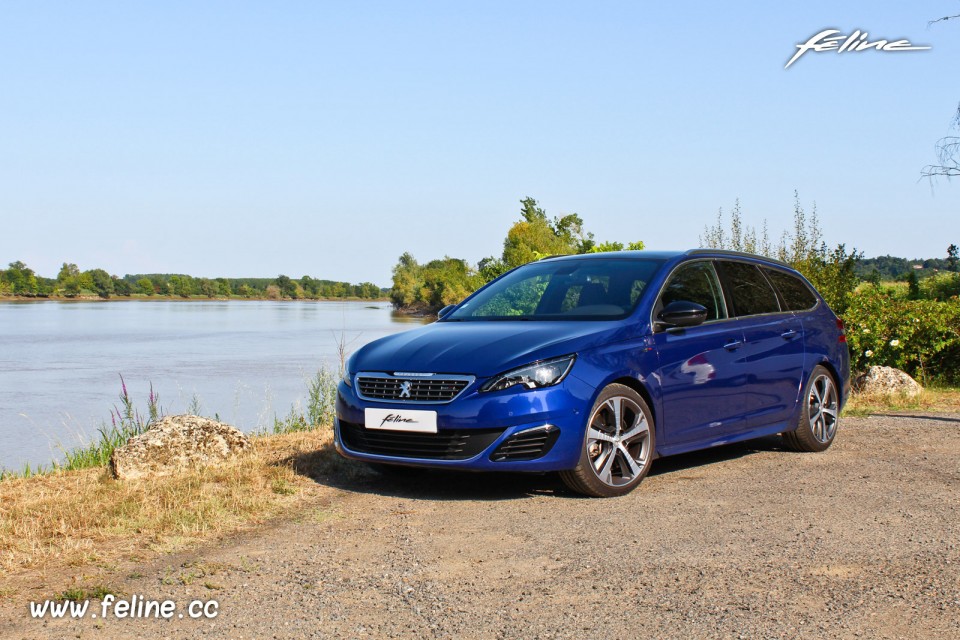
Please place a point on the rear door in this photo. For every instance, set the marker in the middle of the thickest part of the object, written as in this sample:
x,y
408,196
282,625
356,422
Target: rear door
x,y
772,348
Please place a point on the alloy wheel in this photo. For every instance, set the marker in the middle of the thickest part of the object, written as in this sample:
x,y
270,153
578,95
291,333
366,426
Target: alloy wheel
x,y
823,409
618,441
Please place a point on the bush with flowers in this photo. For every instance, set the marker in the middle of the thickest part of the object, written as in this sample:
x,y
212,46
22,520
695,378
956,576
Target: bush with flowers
x,y
921,337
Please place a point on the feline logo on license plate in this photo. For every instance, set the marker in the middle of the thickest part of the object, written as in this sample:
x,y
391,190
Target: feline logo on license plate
x,y
401,420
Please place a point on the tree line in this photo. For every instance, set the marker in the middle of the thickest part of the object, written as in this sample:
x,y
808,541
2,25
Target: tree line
x,y
426,288
20,280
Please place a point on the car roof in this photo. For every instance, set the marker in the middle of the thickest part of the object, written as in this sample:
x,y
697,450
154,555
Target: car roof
x,y
609,255
667,255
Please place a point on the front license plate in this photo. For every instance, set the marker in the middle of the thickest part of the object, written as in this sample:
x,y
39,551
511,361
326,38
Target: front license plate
x,y
401,420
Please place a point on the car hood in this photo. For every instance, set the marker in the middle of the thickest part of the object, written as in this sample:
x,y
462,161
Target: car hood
x,y
483,348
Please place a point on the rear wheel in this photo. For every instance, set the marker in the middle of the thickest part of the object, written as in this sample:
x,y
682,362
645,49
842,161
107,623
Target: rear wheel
x,y
617,447
820,415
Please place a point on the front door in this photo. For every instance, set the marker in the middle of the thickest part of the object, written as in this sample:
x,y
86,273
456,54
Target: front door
x,y
701,376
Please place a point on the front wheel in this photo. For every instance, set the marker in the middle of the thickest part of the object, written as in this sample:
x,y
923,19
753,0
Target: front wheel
x,y
819,416
617,447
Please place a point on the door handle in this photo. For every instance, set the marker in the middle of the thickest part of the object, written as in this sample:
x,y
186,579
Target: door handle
x,y
789,335
732,346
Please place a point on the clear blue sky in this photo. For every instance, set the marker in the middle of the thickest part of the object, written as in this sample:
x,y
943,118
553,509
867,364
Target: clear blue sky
x,y
321,138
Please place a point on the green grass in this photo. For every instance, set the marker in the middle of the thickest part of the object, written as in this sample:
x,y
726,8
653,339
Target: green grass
x,y
931,400
321,405
126,421
78,594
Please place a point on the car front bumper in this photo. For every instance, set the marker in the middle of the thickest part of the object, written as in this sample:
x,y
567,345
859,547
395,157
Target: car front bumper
x,y
499,417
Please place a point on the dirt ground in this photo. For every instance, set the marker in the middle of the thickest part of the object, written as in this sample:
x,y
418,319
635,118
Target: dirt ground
x,y
744,541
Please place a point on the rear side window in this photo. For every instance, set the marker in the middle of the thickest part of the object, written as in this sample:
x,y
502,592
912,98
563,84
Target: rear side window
x,y
794,291
750,291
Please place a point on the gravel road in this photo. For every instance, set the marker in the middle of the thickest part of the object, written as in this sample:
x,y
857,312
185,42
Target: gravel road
x,y
745,541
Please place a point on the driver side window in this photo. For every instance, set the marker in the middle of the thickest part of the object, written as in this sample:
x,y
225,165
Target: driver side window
x,y
696,282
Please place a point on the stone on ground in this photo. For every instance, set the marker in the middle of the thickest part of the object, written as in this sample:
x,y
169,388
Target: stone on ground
x,y
174,444
887,381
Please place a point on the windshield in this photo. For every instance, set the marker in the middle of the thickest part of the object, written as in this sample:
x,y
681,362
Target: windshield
x,y
585,289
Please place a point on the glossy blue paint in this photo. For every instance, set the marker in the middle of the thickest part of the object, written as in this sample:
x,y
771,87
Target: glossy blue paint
x,y
723,381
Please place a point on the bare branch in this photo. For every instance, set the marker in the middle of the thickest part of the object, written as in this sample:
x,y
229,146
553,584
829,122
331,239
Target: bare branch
x,y
936,171
943,19
948,153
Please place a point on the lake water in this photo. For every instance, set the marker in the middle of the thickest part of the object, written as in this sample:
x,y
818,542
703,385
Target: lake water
x,y
60,362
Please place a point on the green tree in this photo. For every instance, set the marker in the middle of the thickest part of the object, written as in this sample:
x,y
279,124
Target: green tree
x,y
207,287
68,279
603,247
223,287
102,282
121,287
368,291
288,288
21,278
309,286
181,285
913,286
535,236
407,281
952,257
447,281
145,286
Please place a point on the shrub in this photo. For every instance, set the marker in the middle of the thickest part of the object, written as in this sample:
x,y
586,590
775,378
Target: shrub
x,y
942,286
922,337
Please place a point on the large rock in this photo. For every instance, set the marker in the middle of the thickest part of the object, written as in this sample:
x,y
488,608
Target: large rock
x,y
887,381
174,444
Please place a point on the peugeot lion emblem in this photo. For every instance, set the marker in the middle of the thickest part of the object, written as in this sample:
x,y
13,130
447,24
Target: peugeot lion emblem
x,y
405,389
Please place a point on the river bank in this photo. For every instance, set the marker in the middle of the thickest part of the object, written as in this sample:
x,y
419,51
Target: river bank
x,y
170,298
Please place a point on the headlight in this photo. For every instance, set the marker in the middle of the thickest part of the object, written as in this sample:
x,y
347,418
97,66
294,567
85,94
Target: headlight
x,y
533,376
347,373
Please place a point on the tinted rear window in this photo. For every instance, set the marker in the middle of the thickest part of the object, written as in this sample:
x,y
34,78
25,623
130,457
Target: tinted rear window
x,y
750,291
794,291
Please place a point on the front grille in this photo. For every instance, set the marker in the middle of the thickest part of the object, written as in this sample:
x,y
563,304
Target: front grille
x,y
527,445
447,444
392,389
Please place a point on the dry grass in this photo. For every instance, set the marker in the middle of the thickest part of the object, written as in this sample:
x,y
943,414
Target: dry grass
x,y
74,518
931,399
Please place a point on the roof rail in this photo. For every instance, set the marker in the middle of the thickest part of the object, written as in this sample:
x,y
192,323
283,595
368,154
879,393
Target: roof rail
x,y
737,254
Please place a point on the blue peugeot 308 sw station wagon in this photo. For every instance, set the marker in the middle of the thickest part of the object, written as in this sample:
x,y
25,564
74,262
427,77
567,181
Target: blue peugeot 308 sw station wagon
x,y
593,365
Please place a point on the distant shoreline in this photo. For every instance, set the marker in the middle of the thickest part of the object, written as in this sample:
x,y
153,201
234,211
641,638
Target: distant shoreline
x,y
168,298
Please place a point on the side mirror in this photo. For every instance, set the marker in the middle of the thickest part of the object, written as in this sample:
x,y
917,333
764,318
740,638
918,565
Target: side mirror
x,y
447,309
682,313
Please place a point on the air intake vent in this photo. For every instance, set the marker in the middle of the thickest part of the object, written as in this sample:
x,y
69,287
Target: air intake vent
x,y
452,444
527,445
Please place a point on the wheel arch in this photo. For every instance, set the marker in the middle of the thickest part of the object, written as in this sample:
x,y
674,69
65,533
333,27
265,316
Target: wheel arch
x,y
639,387
826,364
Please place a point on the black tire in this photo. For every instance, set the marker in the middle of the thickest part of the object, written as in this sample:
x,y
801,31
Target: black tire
x,y
819,415
612,461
